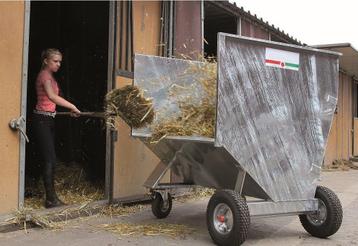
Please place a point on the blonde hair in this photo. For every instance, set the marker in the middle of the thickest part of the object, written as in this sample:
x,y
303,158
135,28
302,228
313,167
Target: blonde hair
x,y
48,53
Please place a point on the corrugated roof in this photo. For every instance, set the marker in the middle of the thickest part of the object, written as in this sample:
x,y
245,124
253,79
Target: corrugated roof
x,y
240,11
349,59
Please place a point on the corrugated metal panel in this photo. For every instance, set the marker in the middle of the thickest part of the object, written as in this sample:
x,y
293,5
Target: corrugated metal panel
x,y
187,29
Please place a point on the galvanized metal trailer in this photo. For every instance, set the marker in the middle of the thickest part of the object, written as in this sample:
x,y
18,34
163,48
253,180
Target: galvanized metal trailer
x,y
275,106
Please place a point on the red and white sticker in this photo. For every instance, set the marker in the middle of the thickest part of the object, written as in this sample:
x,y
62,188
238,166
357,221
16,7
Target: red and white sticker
x,y
282,59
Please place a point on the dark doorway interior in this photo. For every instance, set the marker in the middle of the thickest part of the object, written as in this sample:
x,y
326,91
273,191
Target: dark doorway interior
x,y
216,20
80,31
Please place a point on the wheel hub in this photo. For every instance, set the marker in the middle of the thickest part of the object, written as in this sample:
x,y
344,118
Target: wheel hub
x,y
165,206
223,218
320,216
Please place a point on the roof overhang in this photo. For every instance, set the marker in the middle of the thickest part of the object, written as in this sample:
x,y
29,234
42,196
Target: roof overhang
x,y
349,59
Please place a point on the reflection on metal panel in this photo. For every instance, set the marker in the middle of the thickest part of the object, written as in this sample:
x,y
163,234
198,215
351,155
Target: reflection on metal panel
x,y
275,121
194,158
158,75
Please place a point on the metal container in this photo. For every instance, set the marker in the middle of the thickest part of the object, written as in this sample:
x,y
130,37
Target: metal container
x,y
275,106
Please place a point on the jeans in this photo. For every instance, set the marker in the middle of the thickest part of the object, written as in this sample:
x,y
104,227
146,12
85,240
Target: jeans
x,y
44,132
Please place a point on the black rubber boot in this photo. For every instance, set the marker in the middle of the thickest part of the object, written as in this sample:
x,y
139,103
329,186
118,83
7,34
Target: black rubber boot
x,y
51,197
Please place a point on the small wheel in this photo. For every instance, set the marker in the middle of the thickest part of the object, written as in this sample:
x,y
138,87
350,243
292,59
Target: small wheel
x,y
328,218
160,208
227,218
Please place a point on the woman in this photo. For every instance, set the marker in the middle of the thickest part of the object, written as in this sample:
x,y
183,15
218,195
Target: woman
x,y
43,118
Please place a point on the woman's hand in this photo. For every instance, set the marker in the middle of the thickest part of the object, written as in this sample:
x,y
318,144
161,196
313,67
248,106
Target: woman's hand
x,y
75,112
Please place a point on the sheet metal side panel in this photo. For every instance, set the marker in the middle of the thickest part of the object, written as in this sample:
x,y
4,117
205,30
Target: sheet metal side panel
x,y
194,158
156,76
198,163
275,122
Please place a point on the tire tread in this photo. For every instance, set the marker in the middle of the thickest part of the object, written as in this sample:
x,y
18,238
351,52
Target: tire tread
x,y
334,215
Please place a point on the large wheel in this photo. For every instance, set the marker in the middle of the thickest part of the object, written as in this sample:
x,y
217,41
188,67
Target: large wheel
x,y
161,208
328,218
228,218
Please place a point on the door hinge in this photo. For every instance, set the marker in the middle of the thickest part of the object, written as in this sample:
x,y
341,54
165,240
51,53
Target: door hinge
x,y
19,125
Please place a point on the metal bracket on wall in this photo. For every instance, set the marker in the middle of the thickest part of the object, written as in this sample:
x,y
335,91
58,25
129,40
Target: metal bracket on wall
x,y
19,124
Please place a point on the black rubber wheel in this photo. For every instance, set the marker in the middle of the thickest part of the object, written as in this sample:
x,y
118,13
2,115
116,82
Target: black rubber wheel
x,y
327,220
227,218
159,209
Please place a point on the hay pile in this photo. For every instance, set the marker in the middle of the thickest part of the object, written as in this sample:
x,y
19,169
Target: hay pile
x,y
154,229
71,186
195,118
129,103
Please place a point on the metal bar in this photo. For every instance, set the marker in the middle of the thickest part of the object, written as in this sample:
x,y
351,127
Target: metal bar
x,y
354,113
238,26
240,181
180,138
131,37
284,45
112,59
127,34
161,32
166,29
174,186
163,29
269,208
124,73
171,27
157,174
120,12
25,56
88,114
202,26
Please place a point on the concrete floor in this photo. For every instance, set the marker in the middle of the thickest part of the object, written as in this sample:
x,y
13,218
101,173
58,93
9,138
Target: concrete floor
x,y
263,231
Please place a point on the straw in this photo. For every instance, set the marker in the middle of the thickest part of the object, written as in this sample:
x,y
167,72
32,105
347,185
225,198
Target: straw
x,y
115,210
195,118
129,103
71,186
153,229
341,165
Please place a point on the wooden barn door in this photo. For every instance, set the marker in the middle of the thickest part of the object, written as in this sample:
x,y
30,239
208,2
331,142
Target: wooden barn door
x,y
14,20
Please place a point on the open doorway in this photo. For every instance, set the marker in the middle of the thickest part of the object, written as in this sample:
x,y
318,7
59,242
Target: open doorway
x,y
80,31
216,20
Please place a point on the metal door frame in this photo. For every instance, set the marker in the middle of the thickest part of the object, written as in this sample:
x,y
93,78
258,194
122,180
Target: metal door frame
x,y
110,85
25,55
